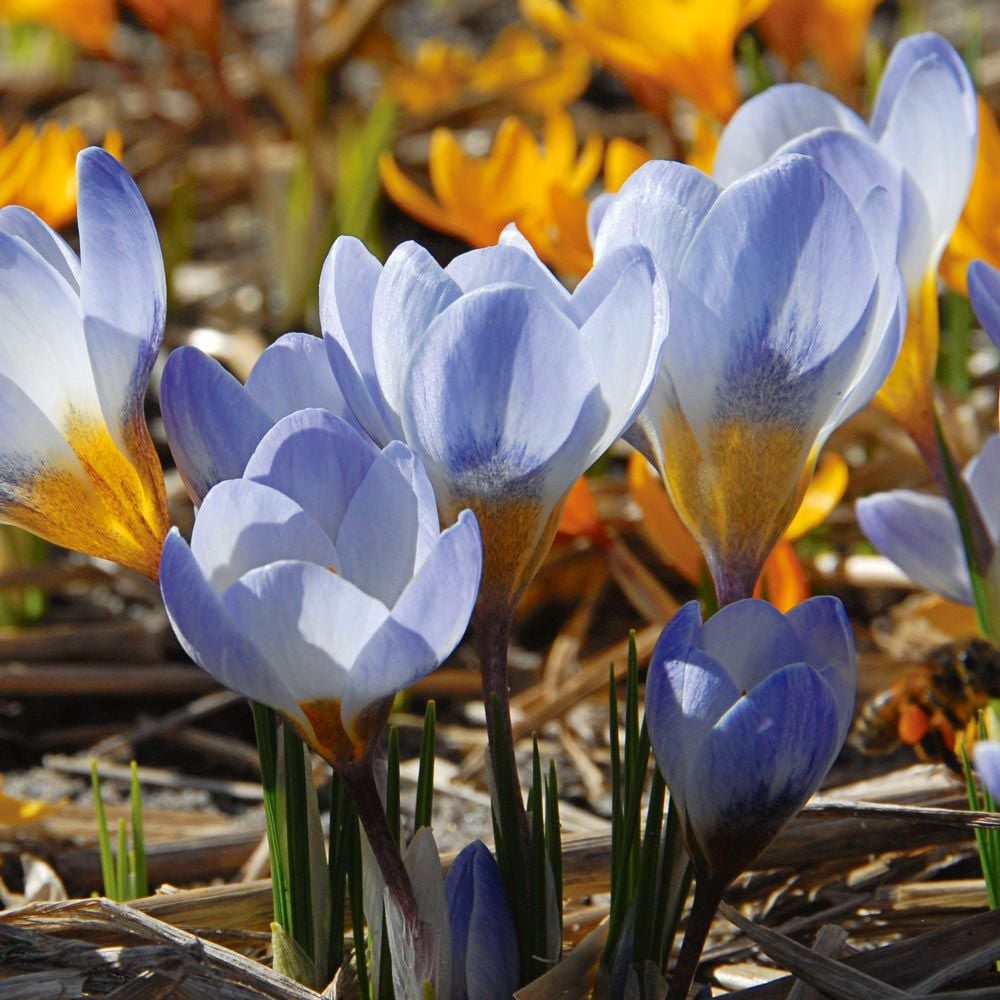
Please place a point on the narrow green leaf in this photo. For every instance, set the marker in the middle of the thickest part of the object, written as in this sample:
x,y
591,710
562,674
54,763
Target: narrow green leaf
x,y
338,860
392,809
645,898
538,880
138,836
355,891
956,340
424,808
265,729
553,837
103,836
675,876
297,834
121,864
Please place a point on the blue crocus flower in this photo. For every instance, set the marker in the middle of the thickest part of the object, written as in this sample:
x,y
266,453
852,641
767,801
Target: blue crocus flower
x,y
984,291
784,321
920,533
986,757
320,582
746,714
505,384
484,955
213,423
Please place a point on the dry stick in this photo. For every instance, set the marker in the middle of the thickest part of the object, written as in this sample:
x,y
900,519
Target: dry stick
x,y
121,680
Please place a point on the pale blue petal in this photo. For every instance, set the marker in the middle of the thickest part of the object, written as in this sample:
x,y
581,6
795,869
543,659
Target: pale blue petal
x,y
294,374
310,621
507,263
986,756
243,524
766,122
318,460
595,214
122,285
437,603
45,241
484,949
378,535
687,692
212,424
346,293
786,278
759,764
925,117
920,534
659,207
983,476
825,633
984,290
751,639
210,636
412,291
502,396
42,349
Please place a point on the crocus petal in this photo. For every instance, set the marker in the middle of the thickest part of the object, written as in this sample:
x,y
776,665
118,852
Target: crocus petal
x,y
382,562
824,629
122,287
483,937
926,118
318,460
346,291
501,392
212,423
759,764
983,476
506,263
660,207
412,291
210,636
595,214
986,756
44,240
454,567
984,290
920,534
308,619
751,638
243,524
766,122
294,374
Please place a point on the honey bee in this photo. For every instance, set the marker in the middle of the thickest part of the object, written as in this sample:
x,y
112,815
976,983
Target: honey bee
x,y
928,706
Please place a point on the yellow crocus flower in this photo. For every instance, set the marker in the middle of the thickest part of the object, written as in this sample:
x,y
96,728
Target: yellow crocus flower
x,y
541,187
977,235
89,23
38,170
517,68
658,47
832,31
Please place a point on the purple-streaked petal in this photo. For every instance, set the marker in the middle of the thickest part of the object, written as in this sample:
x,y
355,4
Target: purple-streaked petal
x,y
755,769
920,534
318,460
243,525
986,757
926,118
412,291
45,241
212,425
122,286
825,632
294,374
346,293
506,263
210,636
984,290
766,122
659,207
983,476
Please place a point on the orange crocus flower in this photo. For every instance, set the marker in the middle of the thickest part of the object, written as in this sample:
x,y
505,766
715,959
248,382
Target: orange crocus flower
x,y
540,186
658,47
833,31
89,23
164,17
782,577
38,169
977,235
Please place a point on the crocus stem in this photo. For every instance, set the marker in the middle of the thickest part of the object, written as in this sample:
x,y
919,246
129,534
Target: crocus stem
x,y
731,587
360,781
975,539
707,896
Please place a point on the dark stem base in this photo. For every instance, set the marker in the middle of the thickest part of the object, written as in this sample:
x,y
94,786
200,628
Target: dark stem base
x,y
707,896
